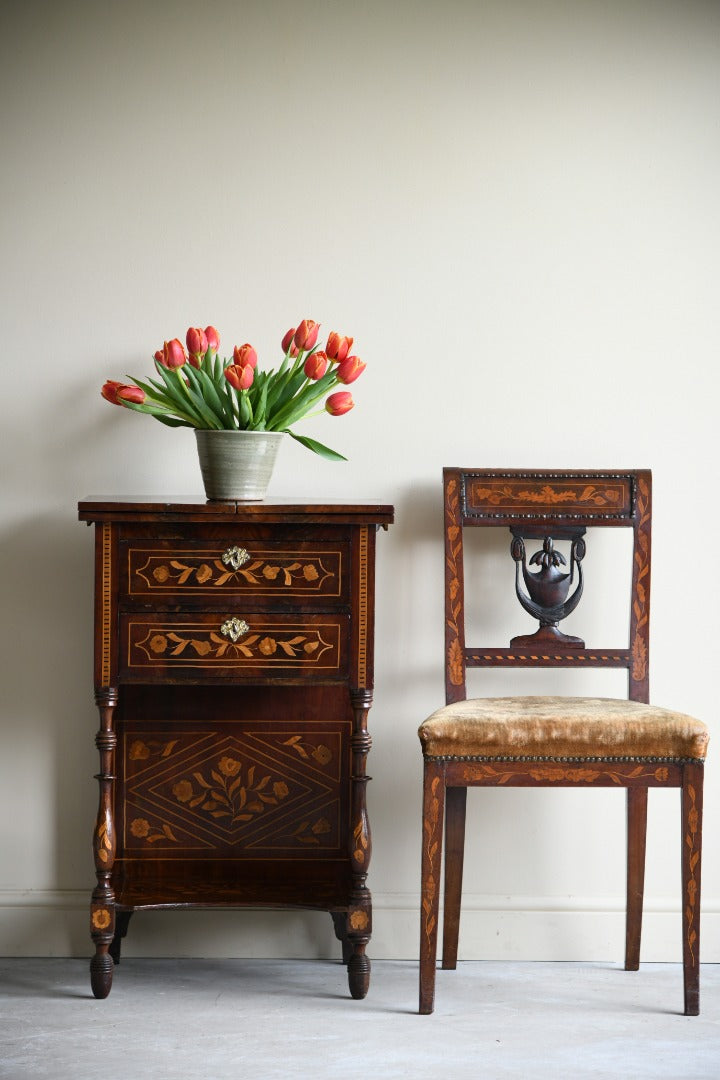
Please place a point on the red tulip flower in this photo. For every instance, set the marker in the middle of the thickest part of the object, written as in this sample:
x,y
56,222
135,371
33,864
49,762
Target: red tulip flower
x,y
340,403
240,375
203,395
287,342
316,365
349,370
213,338
306,334
197,344
173,354
130,393
110,389
338,347
117,392
244,355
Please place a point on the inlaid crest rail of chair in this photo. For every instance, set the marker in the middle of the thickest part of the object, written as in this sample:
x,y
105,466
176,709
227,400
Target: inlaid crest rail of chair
x,y
553,741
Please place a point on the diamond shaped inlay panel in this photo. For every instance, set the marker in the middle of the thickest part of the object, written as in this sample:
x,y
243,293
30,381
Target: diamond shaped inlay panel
x,y
244,792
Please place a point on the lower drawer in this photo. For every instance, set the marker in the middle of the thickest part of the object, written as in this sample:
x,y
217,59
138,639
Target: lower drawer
x,y
235,792
195,646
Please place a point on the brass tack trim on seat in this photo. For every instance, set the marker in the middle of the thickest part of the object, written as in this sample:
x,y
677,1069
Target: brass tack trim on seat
x,y
568,760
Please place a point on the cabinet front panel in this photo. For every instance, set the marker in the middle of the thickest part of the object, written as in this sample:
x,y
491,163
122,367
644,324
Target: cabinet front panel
x,y
235,791
248,644
279,572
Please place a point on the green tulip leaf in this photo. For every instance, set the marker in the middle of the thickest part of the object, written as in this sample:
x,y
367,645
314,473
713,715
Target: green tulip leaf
x,y
179,396
246,413
316,447
206,392
171,421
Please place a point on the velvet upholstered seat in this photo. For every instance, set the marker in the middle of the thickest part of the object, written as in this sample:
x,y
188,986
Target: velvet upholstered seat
x,y
560,729
553,740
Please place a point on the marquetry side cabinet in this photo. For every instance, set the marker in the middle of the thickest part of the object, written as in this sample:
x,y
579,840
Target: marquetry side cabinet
x,y
233,676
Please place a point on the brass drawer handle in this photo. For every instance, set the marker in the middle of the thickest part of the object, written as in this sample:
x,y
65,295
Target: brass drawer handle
x,y
235,557
234,629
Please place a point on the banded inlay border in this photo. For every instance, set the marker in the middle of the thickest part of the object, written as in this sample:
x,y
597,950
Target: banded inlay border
x,y
363,609
105,618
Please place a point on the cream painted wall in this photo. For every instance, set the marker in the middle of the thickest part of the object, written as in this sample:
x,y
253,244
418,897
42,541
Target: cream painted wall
x,y
514,209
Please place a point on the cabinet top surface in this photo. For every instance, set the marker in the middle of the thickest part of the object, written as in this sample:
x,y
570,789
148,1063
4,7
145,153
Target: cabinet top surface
x,y
179,508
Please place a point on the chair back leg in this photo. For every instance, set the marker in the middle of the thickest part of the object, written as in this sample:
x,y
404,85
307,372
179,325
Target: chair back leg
x,y
455,805
637,798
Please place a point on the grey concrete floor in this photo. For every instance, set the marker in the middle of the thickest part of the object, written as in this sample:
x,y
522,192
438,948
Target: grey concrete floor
x,y
262,1019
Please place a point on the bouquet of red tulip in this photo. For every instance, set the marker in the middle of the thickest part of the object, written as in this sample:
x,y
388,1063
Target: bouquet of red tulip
x,y
199,389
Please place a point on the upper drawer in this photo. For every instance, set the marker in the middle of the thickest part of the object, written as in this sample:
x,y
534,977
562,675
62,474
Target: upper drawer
x,y
280,572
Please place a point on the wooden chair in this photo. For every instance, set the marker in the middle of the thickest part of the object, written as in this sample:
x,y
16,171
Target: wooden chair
x,y
553,741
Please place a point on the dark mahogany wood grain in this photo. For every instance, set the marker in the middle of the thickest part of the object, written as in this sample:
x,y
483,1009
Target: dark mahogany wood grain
x,y
541,507
233,676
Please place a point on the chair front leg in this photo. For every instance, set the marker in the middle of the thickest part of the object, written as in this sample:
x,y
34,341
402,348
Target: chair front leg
x,y
432,842
637,798
455,806
692,804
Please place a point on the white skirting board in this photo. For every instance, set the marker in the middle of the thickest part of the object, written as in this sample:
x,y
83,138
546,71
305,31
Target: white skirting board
x,y
46,923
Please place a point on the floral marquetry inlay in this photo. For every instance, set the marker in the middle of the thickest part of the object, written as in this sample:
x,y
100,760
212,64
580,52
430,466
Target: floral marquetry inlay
x,y
319,752
266,790
431,831
103,843
236,571
230,790
358,919
101,919
493,496
142,829
233,677
361,841
693,855
312,832
271,645
454,609
564,774
642,586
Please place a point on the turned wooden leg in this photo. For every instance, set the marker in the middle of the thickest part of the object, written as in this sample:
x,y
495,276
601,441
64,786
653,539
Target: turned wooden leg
x,y
102,907
433,808
359,916
101,973
692,804
357,939
359,970
637,799
455,804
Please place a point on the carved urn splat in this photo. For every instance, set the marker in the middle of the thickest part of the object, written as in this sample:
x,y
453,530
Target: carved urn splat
x,y
547,598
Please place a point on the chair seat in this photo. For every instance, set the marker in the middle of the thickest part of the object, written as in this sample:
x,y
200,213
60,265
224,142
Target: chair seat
x,y
550,728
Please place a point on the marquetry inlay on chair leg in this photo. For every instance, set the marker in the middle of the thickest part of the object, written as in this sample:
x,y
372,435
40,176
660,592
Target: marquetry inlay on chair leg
x,y
553,740
432,844
692,802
